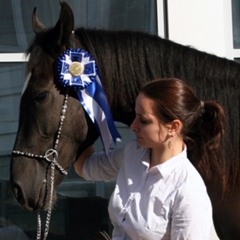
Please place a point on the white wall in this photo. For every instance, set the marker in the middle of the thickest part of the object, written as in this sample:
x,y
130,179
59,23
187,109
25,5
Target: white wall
x,y
203,24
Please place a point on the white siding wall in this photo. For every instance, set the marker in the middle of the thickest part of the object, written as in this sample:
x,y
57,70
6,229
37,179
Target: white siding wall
x,y
203,24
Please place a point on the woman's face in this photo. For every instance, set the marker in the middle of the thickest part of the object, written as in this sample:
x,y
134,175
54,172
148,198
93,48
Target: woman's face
x,y
148,129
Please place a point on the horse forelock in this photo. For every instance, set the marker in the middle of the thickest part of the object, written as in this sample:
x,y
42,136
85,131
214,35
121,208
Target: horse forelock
x,y
26,82
41,63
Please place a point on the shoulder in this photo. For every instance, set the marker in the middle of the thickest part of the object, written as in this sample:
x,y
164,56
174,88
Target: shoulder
x,y
193,178
190,187
181,173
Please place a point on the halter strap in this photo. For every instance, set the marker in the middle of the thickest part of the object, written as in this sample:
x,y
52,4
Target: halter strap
x,y
49,153
51,156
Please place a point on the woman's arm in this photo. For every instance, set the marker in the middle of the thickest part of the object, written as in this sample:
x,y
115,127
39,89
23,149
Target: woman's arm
x,y
99,166
80,161
192,217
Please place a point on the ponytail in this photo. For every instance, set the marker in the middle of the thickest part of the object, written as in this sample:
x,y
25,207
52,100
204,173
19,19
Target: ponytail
x,y
213,122
205,139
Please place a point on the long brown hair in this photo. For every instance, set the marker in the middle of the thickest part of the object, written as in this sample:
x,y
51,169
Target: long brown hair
x,y
203,122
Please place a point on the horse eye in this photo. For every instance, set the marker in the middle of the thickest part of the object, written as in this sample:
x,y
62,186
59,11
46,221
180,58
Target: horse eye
x,y
40,96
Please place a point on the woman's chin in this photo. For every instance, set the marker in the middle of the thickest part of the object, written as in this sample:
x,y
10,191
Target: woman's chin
x,y
141,143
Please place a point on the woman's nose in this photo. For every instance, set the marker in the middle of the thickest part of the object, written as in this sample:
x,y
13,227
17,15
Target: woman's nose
x,y
133,126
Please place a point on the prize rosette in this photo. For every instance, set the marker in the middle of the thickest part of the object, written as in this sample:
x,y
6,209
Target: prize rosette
x,y
77,69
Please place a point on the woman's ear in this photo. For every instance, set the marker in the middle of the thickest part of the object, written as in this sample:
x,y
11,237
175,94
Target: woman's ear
x,y
176,126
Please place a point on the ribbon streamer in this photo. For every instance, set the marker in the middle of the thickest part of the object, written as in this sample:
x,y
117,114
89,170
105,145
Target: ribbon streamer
x,y
77,69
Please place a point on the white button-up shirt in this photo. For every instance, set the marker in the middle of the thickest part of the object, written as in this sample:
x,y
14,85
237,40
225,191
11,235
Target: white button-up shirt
x,y
168,201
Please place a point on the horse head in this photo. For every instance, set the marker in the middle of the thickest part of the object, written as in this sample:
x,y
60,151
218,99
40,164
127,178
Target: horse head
x,y
53,126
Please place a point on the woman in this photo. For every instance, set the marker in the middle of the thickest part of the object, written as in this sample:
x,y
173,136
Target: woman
x,y
158,192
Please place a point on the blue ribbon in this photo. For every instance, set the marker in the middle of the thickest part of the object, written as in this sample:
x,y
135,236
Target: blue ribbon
x,y
77,69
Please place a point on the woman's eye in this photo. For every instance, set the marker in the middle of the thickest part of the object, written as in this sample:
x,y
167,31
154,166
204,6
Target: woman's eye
x,y
143,121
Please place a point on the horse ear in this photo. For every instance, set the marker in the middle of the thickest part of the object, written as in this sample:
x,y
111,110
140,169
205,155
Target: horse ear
x,y
65,25
36,23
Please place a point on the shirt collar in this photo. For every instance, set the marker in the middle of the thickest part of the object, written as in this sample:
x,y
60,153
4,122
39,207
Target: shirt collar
x,y
165,168
170,165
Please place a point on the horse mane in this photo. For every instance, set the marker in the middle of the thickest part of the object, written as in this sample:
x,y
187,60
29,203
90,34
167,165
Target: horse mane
x,y
127,60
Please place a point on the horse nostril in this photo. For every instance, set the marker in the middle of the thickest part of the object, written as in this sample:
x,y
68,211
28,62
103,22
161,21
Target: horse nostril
x,y
17,192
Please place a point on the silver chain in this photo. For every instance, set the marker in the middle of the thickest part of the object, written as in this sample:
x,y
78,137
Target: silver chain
x,y
51,156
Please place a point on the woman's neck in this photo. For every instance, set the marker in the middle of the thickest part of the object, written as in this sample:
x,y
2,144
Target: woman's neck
x,y
161,155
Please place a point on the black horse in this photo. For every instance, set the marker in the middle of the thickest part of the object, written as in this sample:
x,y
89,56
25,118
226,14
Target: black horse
x,y
126,61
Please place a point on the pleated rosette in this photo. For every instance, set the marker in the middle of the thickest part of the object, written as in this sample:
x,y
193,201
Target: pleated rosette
x,y
77,69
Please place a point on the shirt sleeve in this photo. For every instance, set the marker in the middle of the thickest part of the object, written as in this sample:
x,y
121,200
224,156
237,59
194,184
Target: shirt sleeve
x,y
192,217
102,166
